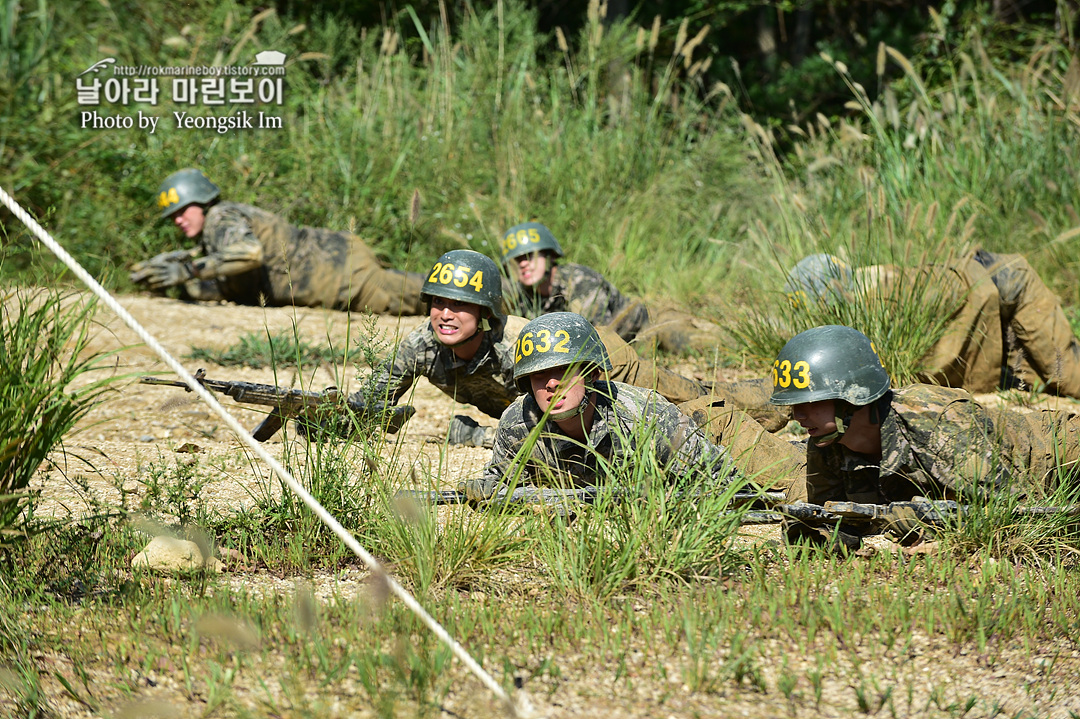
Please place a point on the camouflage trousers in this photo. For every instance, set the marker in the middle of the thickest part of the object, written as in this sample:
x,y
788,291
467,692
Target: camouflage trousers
x,y
1034,327
373,288
1007,319
630,368
676,332
761,457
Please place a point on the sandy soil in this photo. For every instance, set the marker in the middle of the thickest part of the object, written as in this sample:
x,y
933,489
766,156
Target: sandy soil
x,y
141,425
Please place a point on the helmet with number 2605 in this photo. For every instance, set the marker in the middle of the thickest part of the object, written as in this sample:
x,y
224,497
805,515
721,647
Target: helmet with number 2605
x,y
466,276
830,362
557,339
183,188
526,238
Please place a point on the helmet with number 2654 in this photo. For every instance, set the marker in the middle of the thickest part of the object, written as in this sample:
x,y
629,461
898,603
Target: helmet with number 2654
x,y
830,362
466,276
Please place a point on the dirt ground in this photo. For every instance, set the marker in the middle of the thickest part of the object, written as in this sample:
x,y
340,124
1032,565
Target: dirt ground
x,y
142,424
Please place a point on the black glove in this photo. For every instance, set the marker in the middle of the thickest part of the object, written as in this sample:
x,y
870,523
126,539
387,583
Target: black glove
x,y
467,432
158,274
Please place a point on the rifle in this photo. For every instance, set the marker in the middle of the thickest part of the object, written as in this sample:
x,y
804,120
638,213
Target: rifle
x,y
289,402
580,495
932,513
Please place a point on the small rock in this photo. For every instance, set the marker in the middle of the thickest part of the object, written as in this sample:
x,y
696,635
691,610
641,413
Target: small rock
x,y
169,554
146,438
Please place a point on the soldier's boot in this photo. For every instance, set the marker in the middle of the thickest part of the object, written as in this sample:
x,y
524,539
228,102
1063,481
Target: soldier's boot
x,y
1039,325
629,368
752,396
762,458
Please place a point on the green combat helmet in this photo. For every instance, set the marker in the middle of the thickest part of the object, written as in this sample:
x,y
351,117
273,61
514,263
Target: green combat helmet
x,y
819,277
466,276
184,188
557,339
526,238
831,362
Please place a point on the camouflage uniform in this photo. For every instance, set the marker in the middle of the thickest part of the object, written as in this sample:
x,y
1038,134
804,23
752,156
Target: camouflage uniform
x,y
937,441
770,462
251,257
487,380
581,289
1004,316
625,416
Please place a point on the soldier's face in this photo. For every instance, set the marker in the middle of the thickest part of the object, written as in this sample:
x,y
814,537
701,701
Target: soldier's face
x,y
560,388
453,321
190,220
531,268
817,418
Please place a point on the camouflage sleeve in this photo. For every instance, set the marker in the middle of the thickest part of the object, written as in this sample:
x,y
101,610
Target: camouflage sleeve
x,y
590,295
230,245
677,442
391,380
962,453
695,457
510,435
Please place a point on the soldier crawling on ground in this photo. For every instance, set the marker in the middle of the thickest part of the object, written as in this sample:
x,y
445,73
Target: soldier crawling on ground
x,y
545,284
875,444
250,256
1005,323
589,428
466,349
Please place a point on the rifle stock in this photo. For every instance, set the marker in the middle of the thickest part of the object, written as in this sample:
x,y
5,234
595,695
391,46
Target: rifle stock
x,y
290,402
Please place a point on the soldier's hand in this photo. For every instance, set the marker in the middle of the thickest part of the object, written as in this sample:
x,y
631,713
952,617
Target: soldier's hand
x,y
467,432
480,491
156,274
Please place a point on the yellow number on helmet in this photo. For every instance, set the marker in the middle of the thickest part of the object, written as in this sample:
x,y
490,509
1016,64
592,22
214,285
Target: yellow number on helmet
x,y
534,234
522,237
461,276
546,337
434,276
477,281
447,274
526,345
785,374
775,376
802,375
564,339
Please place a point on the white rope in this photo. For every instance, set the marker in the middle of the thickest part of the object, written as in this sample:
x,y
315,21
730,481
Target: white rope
x,y
250,441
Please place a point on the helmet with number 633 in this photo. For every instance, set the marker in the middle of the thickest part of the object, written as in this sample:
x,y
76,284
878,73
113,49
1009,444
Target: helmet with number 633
x,y
526,238
557,339
830,362
466,276
183,188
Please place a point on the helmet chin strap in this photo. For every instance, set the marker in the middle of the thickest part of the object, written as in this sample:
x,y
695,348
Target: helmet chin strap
x,y
844,412
575,412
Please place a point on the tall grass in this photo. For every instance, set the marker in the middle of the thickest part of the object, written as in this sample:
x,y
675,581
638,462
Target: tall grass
x,y
619,151
44,388
915,178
